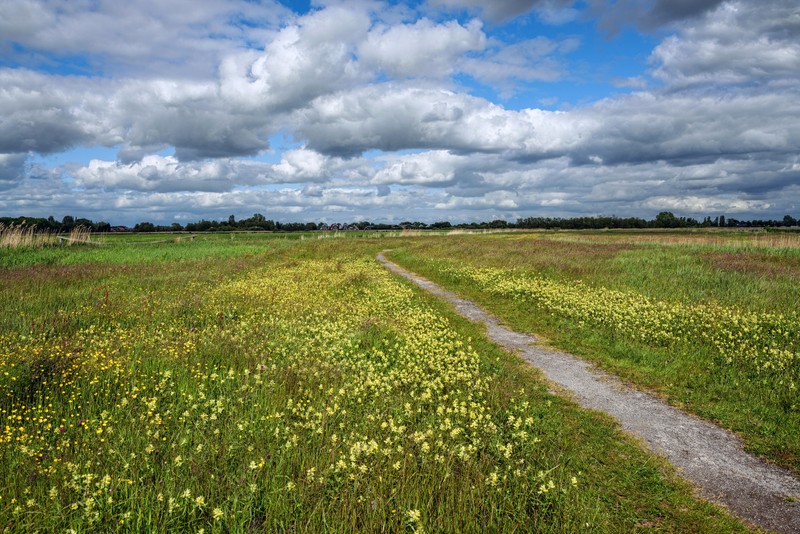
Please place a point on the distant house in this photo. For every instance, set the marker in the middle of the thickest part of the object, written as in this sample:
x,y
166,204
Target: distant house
x,y
119,229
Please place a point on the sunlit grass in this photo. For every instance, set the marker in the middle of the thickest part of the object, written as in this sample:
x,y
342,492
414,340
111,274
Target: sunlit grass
x,y
713,328
300,387
28,237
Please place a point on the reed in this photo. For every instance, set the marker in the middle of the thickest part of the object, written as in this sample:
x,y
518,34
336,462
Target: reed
x,y
15,236
80,235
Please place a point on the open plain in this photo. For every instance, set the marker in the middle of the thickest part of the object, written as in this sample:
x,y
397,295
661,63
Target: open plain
x,y
251,382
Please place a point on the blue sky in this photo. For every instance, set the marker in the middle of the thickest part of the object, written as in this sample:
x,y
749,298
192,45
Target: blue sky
x,y
460,110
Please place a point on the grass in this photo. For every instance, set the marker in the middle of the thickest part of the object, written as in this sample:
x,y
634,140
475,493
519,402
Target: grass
x,y
14,236
710,325
262,384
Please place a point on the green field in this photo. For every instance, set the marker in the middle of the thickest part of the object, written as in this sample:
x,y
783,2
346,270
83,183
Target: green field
x,y
708,320
255,383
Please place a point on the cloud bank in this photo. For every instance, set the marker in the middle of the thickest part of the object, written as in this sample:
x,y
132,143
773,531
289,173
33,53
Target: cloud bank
x,y
380,111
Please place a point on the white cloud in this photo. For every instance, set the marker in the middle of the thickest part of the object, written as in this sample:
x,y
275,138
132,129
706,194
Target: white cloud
x,y
145,37
493,200
740,43
421,50
303,61
156,173
394,117
653,127
308,166
349,79
706,205
433,168
38,114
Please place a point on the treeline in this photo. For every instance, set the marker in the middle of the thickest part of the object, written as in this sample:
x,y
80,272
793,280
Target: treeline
x,y
50,224
665,219
259,222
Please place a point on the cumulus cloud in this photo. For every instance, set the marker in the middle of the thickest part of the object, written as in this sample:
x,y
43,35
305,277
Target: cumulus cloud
x,y
37,114
185,38
693,204
307,166
433,168
647,127
303,61
422,49
329,56
395,117
716,131
740,43
48,114
157,173
169,174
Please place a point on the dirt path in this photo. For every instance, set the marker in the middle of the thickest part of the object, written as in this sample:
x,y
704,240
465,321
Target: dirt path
x,y
707,456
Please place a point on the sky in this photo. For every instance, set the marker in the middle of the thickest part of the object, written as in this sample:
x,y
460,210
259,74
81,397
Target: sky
x,y
341,111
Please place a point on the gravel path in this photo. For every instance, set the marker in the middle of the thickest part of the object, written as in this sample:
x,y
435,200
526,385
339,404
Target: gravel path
x,y
706,455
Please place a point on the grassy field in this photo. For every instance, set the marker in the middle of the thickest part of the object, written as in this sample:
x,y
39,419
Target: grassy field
x,y
708,320
256,383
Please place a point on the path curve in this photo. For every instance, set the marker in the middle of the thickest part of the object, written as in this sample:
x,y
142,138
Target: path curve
x,y
711,458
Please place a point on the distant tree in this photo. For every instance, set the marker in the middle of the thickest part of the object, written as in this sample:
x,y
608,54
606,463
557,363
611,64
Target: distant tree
x,y
666,219
231,221
788,220
67,223
721,221
144,227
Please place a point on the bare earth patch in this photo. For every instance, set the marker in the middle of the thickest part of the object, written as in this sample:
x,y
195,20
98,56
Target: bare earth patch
x,y
711,458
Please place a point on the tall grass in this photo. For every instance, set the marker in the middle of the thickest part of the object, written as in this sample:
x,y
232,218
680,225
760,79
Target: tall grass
x,y
80,235
21,236
15,236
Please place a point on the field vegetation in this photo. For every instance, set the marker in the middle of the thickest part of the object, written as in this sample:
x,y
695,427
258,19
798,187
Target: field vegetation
x,y
22,236
708,320
251,383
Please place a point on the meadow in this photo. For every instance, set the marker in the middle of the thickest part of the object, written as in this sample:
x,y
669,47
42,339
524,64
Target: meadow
x,y
254,383
707,320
